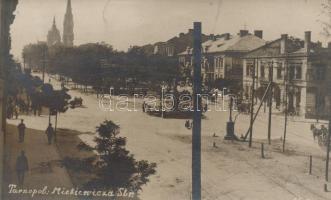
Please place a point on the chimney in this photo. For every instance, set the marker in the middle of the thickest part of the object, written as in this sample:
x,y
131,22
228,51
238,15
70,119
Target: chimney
x,y
258,33
190,30
243,33
181,34
329,45
283,44
307,40
226,36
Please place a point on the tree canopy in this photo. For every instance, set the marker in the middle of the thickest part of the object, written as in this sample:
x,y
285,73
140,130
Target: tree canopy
x,y
99,65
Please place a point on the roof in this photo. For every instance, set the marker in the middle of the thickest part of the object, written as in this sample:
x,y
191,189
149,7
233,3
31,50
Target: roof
x,y
268,50
234,44
295,46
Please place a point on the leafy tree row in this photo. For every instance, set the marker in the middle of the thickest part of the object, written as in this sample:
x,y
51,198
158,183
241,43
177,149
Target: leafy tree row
x,y
99,65
29,93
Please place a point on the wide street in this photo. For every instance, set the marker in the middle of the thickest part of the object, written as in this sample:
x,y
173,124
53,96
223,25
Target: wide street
x,y
229,170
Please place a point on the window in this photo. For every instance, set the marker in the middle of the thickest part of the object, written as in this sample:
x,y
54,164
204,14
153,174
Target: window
x,y
262,72
298,74
270,72
310,75
279,73
247,70
320,73
291,72
220,64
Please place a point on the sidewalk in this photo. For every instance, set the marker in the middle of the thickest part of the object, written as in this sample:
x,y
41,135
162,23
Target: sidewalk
x,y
44,166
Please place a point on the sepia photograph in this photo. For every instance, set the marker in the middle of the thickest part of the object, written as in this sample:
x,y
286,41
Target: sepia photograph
x,y
165,99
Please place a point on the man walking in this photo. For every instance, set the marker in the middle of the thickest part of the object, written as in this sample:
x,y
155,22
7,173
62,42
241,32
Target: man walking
x,y
50,133
21,131
16,111
21,167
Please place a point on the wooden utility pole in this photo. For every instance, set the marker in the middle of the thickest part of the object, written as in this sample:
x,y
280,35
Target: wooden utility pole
x,y
258,109
286,104
328,152
196,131
252,105
271,74
44,60
24,63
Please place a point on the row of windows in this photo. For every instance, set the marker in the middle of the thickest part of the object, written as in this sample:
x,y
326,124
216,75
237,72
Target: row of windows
x,y
295,72
219,63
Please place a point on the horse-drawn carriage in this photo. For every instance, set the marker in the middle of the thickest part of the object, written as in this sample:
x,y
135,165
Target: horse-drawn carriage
x,y
76,102
243,107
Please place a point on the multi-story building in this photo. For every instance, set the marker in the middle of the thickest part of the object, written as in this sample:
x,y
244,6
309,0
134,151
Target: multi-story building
x,y
302,65
222,56
174,45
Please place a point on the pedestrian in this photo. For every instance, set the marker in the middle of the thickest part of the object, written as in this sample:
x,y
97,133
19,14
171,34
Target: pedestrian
x,y
205,108
16,111
10,110
50,133
21,131
143,106
187,124
39,108
21,167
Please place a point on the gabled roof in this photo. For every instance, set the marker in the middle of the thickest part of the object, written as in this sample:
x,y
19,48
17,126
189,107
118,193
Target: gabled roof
x,y
270,49
234,44
295,46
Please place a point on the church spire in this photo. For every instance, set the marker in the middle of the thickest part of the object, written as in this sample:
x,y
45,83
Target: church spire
x,y
68,26
53,36
69,9
54,22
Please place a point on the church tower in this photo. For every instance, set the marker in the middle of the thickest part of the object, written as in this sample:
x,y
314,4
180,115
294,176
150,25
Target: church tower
x,y
68,27
53,36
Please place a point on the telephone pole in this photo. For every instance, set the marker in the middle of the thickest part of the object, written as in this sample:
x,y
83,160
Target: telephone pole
x,y
196,132
271,74
328,152
286,104
252,105
44,51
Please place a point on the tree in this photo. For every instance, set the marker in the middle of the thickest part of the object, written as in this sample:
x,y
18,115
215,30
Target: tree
x,y
326,25
35,55
113,166
59,104
46,98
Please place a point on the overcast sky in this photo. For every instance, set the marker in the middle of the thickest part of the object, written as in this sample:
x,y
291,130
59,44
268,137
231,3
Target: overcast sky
x,y
136,22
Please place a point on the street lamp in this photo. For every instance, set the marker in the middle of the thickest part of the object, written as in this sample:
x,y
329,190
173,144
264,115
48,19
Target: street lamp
x,y
230,124
163,87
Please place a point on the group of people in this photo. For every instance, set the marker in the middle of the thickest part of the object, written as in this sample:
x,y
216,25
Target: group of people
x,y
13,110
22,161
320,133
17,105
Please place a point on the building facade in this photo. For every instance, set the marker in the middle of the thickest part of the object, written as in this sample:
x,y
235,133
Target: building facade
x,y
222,56
174,45
301,65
